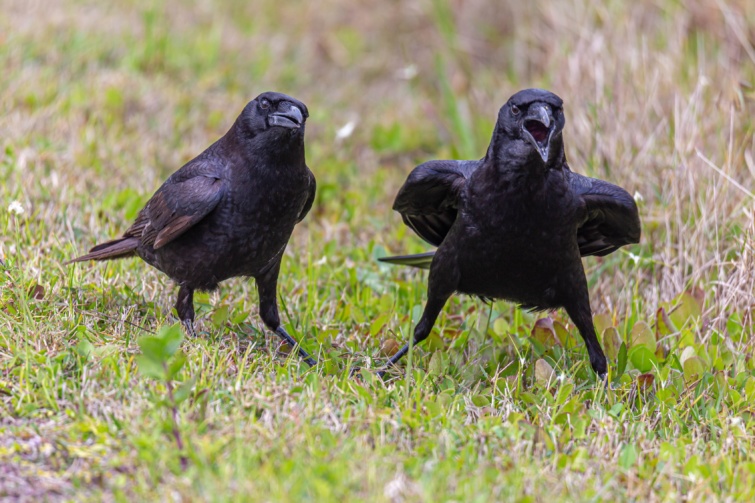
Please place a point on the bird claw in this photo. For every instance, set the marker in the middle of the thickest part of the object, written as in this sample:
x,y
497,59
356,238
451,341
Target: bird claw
x,y
189,327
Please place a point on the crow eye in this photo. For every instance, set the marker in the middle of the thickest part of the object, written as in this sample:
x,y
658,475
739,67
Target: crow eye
x,y
265,103
515,110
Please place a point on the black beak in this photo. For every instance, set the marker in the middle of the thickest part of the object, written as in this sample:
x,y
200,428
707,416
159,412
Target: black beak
x,y
291,118
538,128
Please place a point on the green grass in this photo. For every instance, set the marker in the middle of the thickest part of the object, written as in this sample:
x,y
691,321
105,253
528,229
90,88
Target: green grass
x,y
101,102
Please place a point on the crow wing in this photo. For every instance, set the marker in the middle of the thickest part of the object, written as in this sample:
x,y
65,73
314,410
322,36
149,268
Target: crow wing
x,y
310,197
429,198
183,200
611,217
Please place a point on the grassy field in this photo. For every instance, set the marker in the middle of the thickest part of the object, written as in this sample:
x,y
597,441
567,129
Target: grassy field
x,y
100,101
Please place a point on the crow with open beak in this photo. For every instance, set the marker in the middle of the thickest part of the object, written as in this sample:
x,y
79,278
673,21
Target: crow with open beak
x,y
515,224
230,211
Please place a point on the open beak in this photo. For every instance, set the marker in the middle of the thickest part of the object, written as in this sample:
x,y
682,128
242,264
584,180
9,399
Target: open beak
x,y
538,128
291,118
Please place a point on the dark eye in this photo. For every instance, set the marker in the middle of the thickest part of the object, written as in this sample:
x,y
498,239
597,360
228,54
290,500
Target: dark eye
x,y
265,103
515,110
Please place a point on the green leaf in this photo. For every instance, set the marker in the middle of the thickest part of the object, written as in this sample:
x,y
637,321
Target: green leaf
x,y
173,336
153,348
84,349
601,322
150,368
565,338
641,334
176,365
693,368
663,325
611,343
184,390
621,364
687,311
628,456
642,358
220,316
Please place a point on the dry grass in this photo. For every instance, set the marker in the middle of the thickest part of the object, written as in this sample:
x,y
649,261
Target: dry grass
x,y
101,101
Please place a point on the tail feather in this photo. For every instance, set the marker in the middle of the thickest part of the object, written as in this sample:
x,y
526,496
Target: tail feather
x,y
421,260
115,249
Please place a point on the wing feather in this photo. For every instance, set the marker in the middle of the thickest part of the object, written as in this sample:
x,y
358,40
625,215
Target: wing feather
x,y
177,206
428,199
611,217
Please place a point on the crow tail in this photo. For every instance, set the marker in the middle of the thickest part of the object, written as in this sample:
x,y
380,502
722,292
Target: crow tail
x,y
115,249
421,260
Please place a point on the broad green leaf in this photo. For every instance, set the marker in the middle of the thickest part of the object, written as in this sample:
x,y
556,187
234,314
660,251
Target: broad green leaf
x,y
153,348
611,343
641,334
220,316
693,369
500,326
686,311
566,339
173,336
150,367
687,353
621,363
642,358
176,365
602,321
84,349
663,325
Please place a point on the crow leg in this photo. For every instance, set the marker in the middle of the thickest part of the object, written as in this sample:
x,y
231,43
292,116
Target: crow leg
x,y
185,309
580,313
439,290
267,285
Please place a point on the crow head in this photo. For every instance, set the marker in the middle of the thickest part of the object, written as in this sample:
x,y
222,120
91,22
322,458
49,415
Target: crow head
x,y
530,123
274,114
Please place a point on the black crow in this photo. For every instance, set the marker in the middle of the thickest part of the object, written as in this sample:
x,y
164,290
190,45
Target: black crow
x,y
515,224
230,211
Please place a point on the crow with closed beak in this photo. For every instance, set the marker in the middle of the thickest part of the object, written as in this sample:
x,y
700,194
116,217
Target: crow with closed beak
x,y
230,211
515,224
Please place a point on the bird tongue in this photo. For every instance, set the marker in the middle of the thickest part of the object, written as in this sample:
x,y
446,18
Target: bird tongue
x,y
537,129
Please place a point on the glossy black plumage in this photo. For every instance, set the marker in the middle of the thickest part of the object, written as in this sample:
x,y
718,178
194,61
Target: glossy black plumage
x,y
230,211
515,224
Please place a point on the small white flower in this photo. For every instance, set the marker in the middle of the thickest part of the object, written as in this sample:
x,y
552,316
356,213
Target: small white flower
x,y
408,72
346,130
638,197
16,208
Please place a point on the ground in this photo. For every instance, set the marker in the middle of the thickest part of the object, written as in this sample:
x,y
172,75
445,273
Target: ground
x,y
100,101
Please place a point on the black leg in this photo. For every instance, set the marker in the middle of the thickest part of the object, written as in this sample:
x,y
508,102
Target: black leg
x,y
440,287
267,285
185,309
578,309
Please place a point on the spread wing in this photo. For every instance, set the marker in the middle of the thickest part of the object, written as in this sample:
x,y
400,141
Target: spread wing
x,y
183,200
611,220
428,199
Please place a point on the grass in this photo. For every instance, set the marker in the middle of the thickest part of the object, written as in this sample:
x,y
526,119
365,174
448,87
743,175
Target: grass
x,y
100,102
